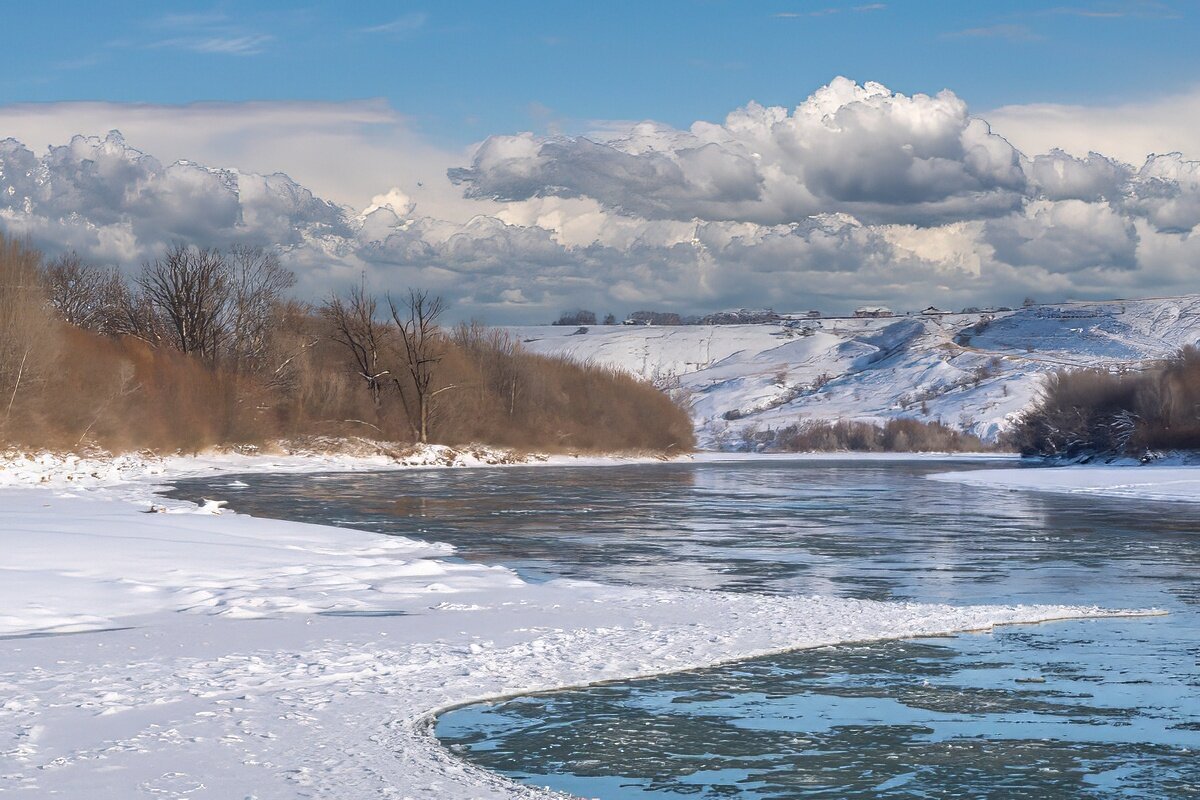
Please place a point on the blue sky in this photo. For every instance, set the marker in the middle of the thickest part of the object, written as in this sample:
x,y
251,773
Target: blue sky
x,y
462,70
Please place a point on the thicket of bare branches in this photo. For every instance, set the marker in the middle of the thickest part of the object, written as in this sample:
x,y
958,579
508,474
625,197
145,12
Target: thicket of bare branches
x,y
213,304
203,347
894,436
1095,412
89,297
473,383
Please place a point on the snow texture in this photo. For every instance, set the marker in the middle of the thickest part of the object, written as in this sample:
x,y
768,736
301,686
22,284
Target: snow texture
x,y
977,371
192,652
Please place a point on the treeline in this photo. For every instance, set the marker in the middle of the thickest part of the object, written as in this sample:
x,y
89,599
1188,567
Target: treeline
x,y
1095,412
204,347
741,316
903,435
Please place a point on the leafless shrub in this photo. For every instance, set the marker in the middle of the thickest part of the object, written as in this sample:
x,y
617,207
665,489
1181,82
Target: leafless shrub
x,y
579,316
989,369
896,435
1090,412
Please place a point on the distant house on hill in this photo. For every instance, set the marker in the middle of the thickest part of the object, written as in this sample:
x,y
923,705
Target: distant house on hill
x,y
934,311
814,314
867,312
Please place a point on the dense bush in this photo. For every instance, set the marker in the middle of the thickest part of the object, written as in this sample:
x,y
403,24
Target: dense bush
x,y
578,317
1092,411
894,436
266,368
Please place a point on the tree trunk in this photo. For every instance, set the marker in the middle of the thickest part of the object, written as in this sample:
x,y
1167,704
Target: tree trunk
x,y
424,404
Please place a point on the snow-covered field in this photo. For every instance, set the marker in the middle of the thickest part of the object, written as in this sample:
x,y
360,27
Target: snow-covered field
x,y
974,371
187,653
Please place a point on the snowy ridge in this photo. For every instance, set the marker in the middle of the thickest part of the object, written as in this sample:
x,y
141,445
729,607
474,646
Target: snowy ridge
x,y
310,660
975,371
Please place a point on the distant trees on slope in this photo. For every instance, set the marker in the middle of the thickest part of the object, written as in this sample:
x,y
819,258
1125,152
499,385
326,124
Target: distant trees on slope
x,y
580,316
205,346
741,316
903,435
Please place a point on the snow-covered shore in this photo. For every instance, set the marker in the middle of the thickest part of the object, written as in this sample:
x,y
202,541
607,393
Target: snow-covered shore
x,y
1127,481
217,655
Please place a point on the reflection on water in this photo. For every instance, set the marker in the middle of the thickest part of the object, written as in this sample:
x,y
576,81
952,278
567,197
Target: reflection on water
x,y
1079,709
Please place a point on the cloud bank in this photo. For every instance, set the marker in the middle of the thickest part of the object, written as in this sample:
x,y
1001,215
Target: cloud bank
x,y
859,194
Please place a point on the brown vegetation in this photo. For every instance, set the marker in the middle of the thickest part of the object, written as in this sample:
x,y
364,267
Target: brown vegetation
x,y
203,348
894,436
1095,412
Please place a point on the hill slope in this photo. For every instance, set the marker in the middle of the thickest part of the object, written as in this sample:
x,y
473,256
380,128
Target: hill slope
x,y
976,372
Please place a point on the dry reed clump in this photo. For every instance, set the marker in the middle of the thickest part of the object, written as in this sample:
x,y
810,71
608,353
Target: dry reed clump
x,y
29,336
895,436
1096,412
282,372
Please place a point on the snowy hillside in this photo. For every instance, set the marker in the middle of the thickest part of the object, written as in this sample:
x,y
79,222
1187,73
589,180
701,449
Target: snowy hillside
x,y
973,371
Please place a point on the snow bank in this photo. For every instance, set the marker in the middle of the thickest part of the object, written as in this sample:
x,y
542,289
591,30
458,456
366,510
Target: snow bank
x,y
19,468
312,455
1140,482
23,469
215,655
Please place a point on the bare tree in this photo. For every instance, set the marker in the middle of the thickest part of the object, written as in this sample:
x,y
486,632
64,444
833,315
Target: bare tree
x,y
423,348
85,295
191,287
356,328
258,285
139,317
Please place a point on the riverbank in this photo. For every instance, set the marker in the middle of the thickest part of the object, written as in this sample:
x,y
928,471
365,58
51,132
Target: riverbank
x,y
208,654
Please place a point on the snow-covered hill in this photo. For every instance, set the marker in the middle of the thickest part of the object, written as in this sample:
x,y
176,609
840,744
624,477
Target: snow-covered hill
x,y
974,371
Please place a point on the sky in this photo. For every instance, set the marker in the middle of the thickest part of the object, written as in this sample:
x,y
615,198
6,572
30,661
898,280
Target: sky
x,y
524,158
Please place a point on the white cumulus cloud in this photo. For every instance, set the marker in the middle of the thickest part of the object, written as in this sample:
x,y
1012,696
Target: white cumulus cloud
x,y
856,195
